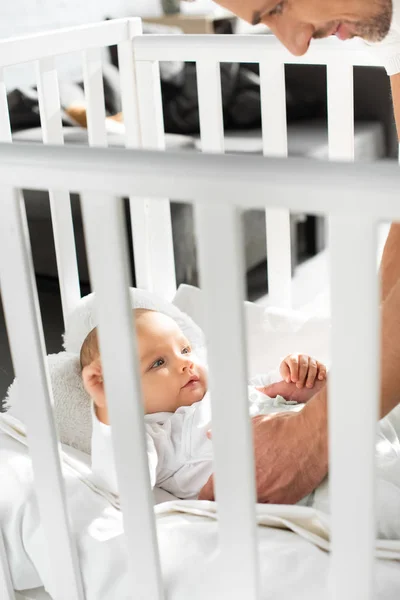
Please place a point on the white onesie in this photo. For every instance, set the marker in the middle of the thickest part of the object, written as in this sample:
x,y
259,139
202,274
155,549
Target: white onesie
x,y
179,451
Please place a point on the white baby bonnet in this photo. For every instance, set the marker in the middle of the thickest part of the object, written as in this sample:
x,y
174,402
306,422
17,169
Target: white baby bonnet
x,y
83,319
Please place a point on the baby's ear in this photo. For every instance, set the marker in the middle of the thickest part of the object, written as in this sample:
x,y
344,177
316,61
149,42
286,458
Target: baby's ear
x,y
92,376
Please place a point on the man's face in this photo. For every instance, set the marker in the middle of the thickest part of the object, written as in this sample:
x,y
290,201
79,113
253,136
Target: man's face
x,y
297,22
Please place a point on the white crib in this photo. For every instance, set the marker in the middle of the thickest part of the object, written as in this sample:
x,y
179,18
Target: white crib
x,y
354,197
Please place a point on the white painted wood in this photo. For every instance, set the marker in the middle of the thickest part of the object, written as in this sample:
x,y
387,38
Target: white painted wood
x,y
340,86
25,333
130,109
159,228
274,128
355,333
94,96
339,188
273,108
6,588
210,105
129,94
232,438
249,48
107,254
60,204
35,594
5,127
37,46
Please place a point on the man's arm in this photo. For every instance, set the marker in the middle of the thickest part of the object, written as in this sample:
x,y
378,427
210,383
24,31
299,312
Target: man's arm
x,y
395,83
291,453
390,267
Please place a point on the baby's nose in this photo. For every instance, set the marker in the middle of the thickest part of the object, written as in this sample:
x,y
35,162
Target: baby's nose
x,y
186,363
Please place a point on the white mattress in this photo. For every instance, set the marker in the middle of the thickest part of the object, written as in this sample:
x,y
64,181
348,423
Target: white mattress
x,y
310,139
115,137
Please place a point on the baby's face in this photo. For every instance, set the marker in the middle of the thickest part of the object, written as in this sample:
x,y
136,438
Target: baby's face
x,y
172,375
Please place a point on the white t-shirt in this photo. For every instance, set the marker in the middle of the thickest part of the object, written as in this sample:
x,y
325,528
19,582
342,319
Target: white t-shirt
x,y
388,51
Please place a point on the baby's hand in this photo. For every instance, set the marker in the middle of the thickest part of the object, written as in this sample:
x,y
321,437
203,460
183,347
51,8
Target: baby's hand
x,y
302,370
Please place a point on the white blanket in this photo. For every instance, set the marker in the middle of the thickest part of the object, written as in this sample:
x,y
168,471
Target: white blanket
x,y
288,535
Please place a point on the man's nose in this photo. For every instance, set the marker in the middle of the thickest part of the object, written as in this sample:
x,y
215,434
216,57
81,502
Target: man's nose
x,y
294,35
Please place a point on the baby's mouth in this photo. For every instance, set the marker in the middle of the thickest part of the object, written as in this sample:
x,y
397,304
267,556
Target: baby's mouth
x,y
192,381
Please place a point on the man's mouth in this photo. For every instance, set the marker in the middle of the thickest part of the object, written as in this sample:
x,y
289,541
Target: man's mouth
x,y
343,32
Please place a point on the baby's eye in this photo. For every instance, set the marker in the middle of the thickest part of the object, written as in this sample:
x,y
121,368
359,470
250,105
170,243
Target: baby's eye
x,y
277,10
158,363
187,350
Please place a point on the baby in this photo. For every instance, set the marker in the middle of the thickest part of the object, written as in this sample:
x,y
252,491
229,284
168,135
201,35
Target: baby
x,y
176,404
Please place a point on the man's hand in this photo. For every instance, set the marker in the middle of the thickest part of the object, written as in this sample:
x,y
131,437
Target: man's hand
x,y
291,454
290,391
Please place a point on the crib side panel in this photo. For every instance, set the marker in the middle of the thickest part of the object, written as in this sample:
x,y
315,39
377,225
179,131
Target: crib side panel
x,y
49,44
60,204
238,564
107,253
274,128
353,405
158,213
340,90
138,207
94,96
25,332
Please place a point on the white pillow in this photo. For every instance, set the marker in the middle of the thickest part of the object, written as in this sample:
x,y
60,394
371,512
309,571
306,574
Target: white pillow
x,y
71,404
271,333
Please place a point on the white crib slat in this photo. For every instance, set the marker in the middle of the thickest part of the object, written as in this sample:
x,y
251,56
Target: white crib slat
x,y
94,95
130,109
159,227
210,105
273,108
6,587
273,114
340,84
5,127
355,327
232,439
25,334
61,215
107,254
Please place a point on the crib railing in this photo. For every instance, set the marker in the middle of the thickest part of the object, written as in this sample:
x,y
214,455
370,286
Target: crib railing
x,y
354,197
142,107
